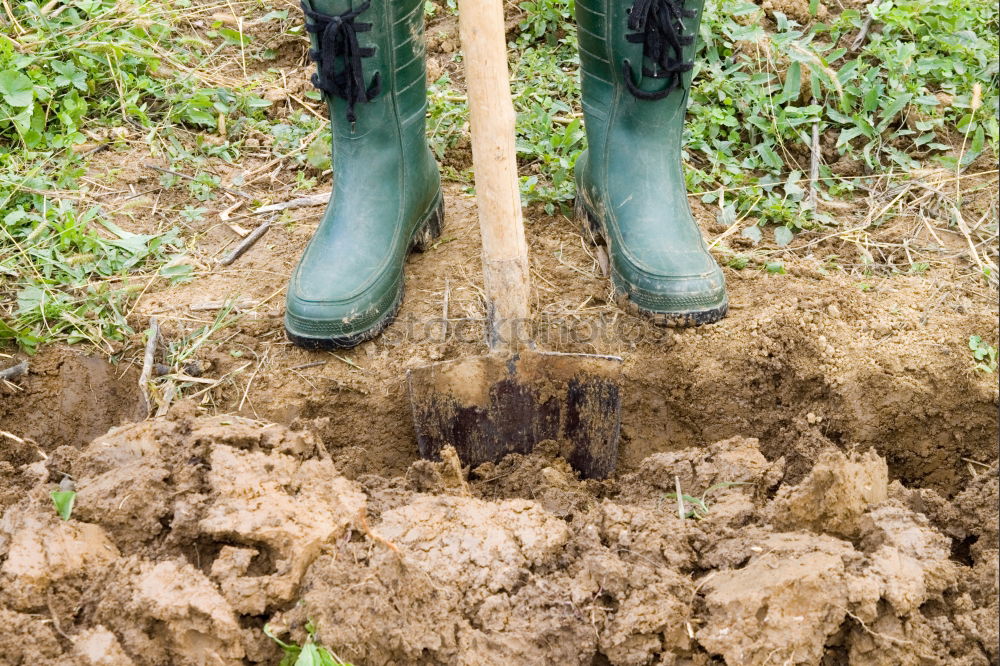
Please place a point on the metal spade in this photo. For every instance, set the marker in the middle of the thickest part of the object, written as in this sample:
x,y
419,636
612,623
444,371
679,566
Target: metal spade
x,y
514,397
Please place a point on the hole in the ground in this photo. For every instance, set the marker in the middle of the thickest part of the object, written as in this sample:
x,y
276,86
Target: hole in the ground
x,y
69,399
263,563
202,553
600,659
961,550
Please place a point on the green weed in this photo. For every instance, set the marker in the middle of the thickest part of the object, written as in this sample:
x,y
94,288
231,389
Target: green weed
x,y
698,507
63,499
180,354
906,95
984,353
309,653
901,98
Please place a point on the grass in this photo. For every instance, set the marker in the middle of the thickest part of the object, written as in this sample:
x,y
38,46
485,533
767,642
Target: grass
x,y
906,96
81,76
73,76
182,375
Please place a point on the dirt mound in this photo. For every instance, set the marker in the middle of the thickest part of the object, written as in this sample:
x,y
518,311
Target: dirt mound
x,y
190,533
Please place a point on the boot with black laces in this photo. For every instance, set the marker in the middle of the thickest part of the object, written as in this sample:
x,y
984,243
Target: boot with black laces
x,y
636,61
386,200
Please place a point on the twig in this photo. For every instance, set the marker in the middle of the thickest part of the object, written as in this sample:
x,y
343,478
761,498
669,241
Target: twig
x,y
444,308
147,361
96,149
55,618
237,229
680,498
228,212
814,165
168,397
253,376
220,380
863,33
209,306
886,637
987,270
245,244
302,202
193,179
183,377
14,372
347,361
314,364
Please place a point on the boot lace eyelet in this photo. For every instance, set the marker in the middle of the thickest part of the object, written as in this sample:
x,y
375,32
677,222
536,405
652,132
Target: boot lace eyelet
x,y
659,28
339,70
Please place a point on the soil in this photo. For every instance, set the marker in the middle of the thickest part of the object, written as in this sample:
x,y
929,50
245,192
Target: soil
x,y
833,424
192,532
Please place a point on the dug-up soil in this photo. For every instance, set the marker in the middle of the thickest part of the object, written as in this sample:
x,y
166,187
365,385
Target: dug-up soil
x,y
192,532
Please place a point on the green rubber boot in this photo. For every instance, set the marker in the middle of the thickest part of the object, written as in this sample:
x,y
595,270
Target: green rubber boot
x,y
386,200
636,67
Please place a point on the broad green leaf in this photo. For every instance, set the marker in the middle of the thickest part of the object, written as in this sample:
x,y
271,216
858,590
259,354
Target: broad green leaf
x,y
235,37
309,656
200,117
318,154
793,83
847,134
770,157
871,99
752,232
16,88
782,236
889,114
30,299
63,501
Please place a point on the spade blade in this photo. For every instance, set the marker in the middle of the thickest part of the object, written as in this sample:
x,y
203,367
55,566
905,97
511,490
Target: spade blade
x,y
490,406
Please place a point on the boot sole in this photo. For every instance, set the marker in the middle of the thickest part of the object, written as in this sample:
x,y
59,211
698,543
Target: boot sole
x,y
593,231
422,239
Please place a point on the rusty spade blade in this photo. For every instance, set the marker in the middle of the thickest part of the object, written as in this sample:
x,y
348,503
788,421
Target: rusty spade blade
x,y
490,406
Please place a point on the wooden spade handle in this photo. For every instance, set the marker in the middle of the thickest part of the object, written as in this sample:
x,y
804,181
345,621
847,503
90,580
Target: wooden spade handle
x,y
494,160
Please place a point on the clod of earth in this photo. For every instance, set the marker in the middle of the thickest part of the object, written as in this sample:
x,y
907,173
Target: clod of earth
x,y
190,533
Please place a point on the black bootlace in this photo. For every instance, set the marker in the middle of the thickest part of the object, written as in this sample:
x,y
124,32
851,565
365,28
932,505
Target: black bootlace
x,y
338,38
659,29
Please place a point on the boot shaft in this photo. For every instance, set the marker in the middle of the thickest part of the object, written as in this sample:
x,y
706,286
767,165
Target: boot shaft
x,y
638,54
371,67
636,60
371,62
